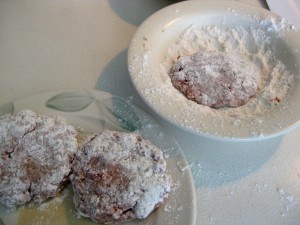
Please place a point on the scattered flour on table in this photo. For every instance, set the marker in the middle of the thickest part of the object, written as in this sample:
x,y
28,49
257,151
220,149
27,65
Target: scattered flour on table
x,y
288,200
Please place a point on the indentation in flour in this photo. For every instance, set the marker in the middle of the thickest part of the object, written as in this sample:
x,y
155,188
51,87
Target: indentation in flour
x,y
251,44
254,44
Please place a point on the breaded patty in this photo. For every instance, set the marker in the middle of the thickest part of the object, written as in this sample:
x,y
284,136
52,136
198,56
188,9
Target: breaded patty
x,y
36,154
215,79
119,176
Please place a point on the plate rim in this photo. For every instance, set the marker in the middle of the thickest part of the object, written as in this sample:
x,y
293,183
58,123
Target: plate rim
x,y
97,94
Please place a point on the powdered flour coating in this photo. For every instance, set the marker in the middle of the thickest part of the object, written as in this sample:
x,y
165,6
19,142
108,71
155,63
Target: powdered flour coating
x,y
35,156
119,176
215,79
274,80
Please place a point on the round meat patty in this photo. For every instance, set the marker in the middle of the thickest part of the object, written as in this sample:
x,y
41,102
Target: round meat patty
x,y
35,156
119,176
215,79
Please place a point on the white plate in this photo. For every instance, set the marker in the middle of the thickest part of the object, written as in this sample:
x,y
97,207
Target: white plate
x,y
95,111
287,9
149,47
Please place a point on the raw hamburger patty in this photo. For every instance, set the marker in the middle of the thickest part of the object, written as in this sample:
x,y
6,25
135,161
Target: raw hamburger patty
x,y
35,156
119,176
214,79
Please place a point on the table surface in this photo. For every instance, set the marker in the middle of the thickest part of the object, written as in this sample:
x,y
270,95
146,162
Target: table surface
x,y
58,44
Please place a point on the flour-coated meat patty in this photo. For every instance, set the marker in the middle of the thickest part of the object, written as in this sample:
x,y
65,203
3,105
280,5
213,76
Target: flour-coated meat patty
x,y
36,152
215,79
119,176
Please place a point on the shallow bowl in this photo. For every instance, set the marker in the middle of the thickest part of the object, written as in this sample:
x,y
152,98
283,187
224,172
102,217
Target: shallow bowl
x,y
151,45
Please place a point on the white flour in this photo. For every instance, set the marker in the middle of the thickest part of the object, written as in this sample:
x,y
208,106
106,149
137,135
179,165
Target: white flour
x,y
253,45
262,44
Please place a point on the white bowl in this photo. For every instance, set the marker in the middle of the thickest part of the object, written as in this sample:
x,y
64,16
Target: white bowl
x,y
154,38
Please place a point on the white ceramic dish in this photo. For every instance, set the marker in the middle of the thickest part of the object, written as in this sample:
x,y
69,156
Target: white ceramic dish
x,y
95,111
287,9
153,38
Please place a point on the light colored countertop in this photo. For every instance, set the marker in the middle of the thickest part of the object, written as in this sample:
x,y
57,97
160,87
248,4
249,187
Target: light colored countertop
x,y
57,44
